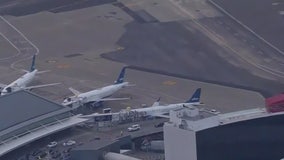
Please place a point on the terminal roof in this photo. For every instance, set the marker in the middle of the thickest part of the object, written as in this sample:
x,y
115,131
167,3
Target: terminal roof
x,y
22,106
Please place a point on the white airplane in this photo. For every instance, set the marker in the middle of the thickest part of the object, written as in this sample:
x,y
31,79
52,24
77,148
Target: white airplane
x,y
22,82
157,110
96,96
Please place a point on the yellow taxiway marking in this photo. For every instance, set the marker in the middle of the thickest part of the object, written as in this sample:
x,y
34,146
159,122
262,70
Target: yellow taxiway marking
x,y
63,66
169,83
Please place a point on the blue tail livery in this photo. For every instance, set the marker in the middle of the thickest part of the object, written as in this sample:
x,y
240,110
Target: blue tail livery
x,y
33,64
120,78
195,97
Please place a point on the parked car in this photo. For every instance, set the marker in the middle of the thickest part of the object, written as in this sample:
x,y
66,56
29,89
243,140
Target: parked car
x,y
36,152
69,143
159,125
52,144
42,155
67,150
57,155
134,127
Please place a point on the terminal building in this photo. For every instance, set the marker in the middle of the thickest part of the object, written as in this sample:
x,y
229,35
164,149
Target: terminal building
x,y
200,134
26,117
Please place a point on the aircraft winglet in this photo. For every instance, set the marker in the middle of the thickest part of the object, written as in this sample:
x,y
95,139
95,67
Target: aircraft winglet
x,y
114,99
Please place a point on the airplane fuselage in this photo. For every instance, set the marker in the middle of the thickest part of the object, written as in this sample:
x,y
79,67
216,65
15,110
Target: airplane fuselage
x,y
155,111
20,83
98,94
152,111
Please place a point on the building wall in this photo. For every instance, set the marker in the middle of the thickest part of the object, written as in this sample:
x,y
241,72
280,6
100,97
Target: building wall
x,y
95,150
261,139
180,144
85,155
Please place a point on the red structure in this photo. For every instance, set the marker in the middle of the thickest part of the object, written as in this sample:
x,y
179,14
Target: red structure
x,y
275,103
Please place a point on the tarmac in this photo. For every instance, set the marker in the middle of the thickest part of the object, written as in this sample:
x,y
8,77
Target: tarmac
x,y
266,19
170,47
67,40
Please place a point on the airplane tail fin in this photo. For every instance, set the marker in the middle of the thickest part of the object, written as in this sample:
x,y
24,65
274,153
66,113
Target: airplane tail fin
x,y
33,64
120,78
195,97
157,103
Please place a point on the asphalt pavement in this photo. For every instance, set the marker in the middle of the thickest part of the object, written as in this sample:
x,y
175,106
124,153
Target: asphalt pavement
x,y
262,16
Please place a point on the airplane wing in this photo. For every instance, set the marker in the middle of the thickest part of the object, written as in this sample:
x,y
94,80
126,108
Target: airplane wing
x,y
40,86
187,105
40,72
161,115
113,99
74,91
130,85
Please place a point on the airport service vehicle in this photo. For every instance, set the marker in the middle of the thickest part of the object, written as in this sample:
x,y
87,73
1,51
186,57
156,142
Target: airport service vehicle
x,y
96,96
69,143
22,82
134,127
52,144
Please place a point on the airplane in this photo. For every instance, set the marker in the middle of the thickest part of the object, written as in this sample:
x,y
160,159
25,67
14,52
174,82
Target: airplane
x,y
95,97
22,82
157,110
